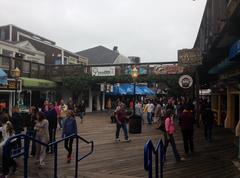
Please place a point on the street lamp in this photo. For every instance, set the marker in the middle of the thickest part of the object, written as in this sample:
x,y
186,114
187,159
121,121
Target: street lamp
x,y
16,74
134,77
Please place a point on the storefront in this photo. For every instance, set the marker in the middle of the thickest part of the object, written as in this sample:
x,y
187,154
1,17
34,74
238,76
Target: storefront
x,y
9,93
36,91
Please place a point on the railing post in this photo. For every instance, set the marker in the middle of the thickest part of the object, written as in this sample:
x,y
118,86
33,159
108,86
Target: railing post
x,y
55,160
26,153
162,158
156,162
76,158
150,162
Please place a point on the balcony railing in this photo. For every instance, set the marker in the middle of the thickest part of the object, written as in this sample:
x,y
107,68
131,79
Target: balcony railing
x,y
58,72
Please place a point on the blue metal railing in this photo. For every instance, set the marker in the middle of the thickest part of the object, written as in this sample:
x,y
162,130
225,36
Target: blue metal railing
x,y
159,152
24,151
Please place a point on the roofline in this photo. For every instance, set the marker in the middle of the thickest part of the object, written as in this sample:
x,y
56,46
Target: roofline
x,y
205,9
18,47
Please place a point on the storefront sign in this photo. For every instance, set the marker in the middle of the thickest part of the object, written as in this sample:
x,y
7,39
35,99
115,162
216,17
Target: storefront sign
x,y
103,71
185,81
11,85
142,70
188,57
167,69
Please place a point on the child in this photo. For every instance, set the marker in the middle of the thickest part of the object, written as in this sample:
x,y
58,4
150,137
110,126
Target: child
x,y
69,128
7,132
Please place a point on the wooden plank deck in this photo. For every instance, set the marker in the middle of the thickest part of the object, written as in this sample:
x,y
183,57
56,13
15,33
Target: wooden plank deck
x,y
125,160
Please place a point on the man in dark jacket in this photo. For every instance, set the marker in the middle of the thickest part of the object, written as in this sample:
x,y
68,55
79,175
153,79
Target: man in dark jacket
x,y
208,121
52,120
186,122
17,122
81,110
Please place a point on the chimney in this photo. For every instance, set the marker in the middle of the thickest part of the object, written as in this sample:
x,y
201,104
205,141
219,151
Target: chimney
x,y
115,49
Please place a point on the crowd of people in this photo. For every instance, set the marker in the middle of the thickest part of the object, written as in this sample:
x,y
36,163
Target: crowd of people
x,y
40,124
165,113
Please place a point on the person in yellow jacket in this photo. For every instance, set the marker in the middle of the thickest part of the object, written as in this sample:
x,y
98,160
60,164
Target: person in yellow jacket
x,y
63,113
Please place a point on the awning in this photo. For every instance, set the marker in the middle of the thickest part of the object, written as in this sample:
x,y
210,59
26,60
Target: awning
x,y
128,89
38,83
3,77
221,66
234,50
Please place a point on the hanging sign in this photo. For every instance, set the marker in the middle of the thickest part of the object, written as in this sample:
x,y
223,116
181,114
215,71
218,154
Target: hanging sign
x,y
189,57
103,71
185,81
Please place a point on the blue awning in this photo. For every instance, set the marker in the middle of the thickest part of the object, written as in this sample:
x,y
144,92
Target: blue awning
x,y
128,89
3,77
225,64
234,50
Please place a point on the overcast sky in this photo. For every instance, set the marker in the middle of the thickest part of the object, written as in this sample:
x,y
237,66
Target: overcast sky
x,y
151,29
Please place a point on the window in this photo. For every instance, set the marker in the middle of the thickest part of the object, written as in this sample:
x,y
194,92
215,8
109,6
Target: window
x,y
2,34
58,61
65,60
26,67
4,61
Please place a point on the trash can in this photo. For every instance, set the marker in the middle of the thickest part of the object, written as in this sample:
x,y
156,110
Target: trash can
x,y
135,124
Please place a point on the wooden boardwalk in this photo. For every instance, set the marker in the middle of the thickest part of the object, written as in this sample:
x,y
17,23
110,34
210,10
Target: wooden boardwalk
x,y
125,160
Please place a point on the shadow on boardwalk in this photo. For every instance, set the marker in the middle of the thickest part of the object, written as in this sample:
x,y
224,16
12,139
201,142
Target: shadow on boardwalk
x,y
125,160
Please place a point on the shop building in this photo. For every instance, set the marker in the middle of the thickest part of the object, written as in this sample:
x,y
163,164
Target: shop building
x,y
218,40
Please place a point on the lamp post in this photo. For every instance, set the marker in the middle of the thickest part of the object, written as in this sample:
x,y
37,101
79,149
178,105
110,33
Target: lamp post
x,y
134,77
16,74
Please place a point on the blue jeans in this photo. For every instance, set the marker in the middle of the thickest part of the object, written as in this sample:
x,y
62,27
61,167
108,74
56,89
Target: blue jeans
x,y
124,127
208,132
81,114
149,117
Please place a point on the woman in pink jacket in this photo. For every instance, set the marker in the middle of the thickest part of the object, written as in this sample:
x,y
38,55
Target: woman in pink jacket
x,y
170,128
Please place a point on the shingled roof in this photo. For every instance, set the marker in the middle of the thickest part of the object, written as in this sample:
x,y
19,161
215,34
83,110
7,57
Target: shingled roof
x,y
99,55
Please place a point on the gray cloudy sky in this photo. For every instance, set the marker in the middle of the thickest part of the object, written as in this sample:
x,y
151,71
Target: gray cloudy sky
x,y
151,29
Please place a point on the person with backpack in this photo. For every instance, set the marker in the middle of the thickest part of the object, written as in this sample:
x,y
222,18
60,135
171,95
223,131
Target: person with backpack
x,y
168,134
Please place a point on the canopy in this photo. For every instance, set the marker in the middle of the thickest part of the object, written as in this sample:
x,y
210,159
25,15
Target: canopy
x,y
38,83
3,77
128,89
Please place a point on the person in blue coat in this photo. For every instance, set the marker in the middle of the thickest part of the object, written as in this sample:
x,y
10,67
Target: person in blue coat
x,y
69,128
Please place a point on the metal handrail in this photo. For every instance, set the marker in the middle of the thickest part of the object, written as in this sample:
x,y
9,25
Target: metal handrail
x,y
150,149
25,153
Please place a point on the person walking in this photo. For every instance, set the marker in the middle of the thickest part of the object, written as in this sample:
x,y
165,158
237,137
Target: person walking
x,y
81,110
208,121
17,122
168,134
31,120
121,122
149,108
52,127
186,122
58,110
42,134
63,111
69,128
7,132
